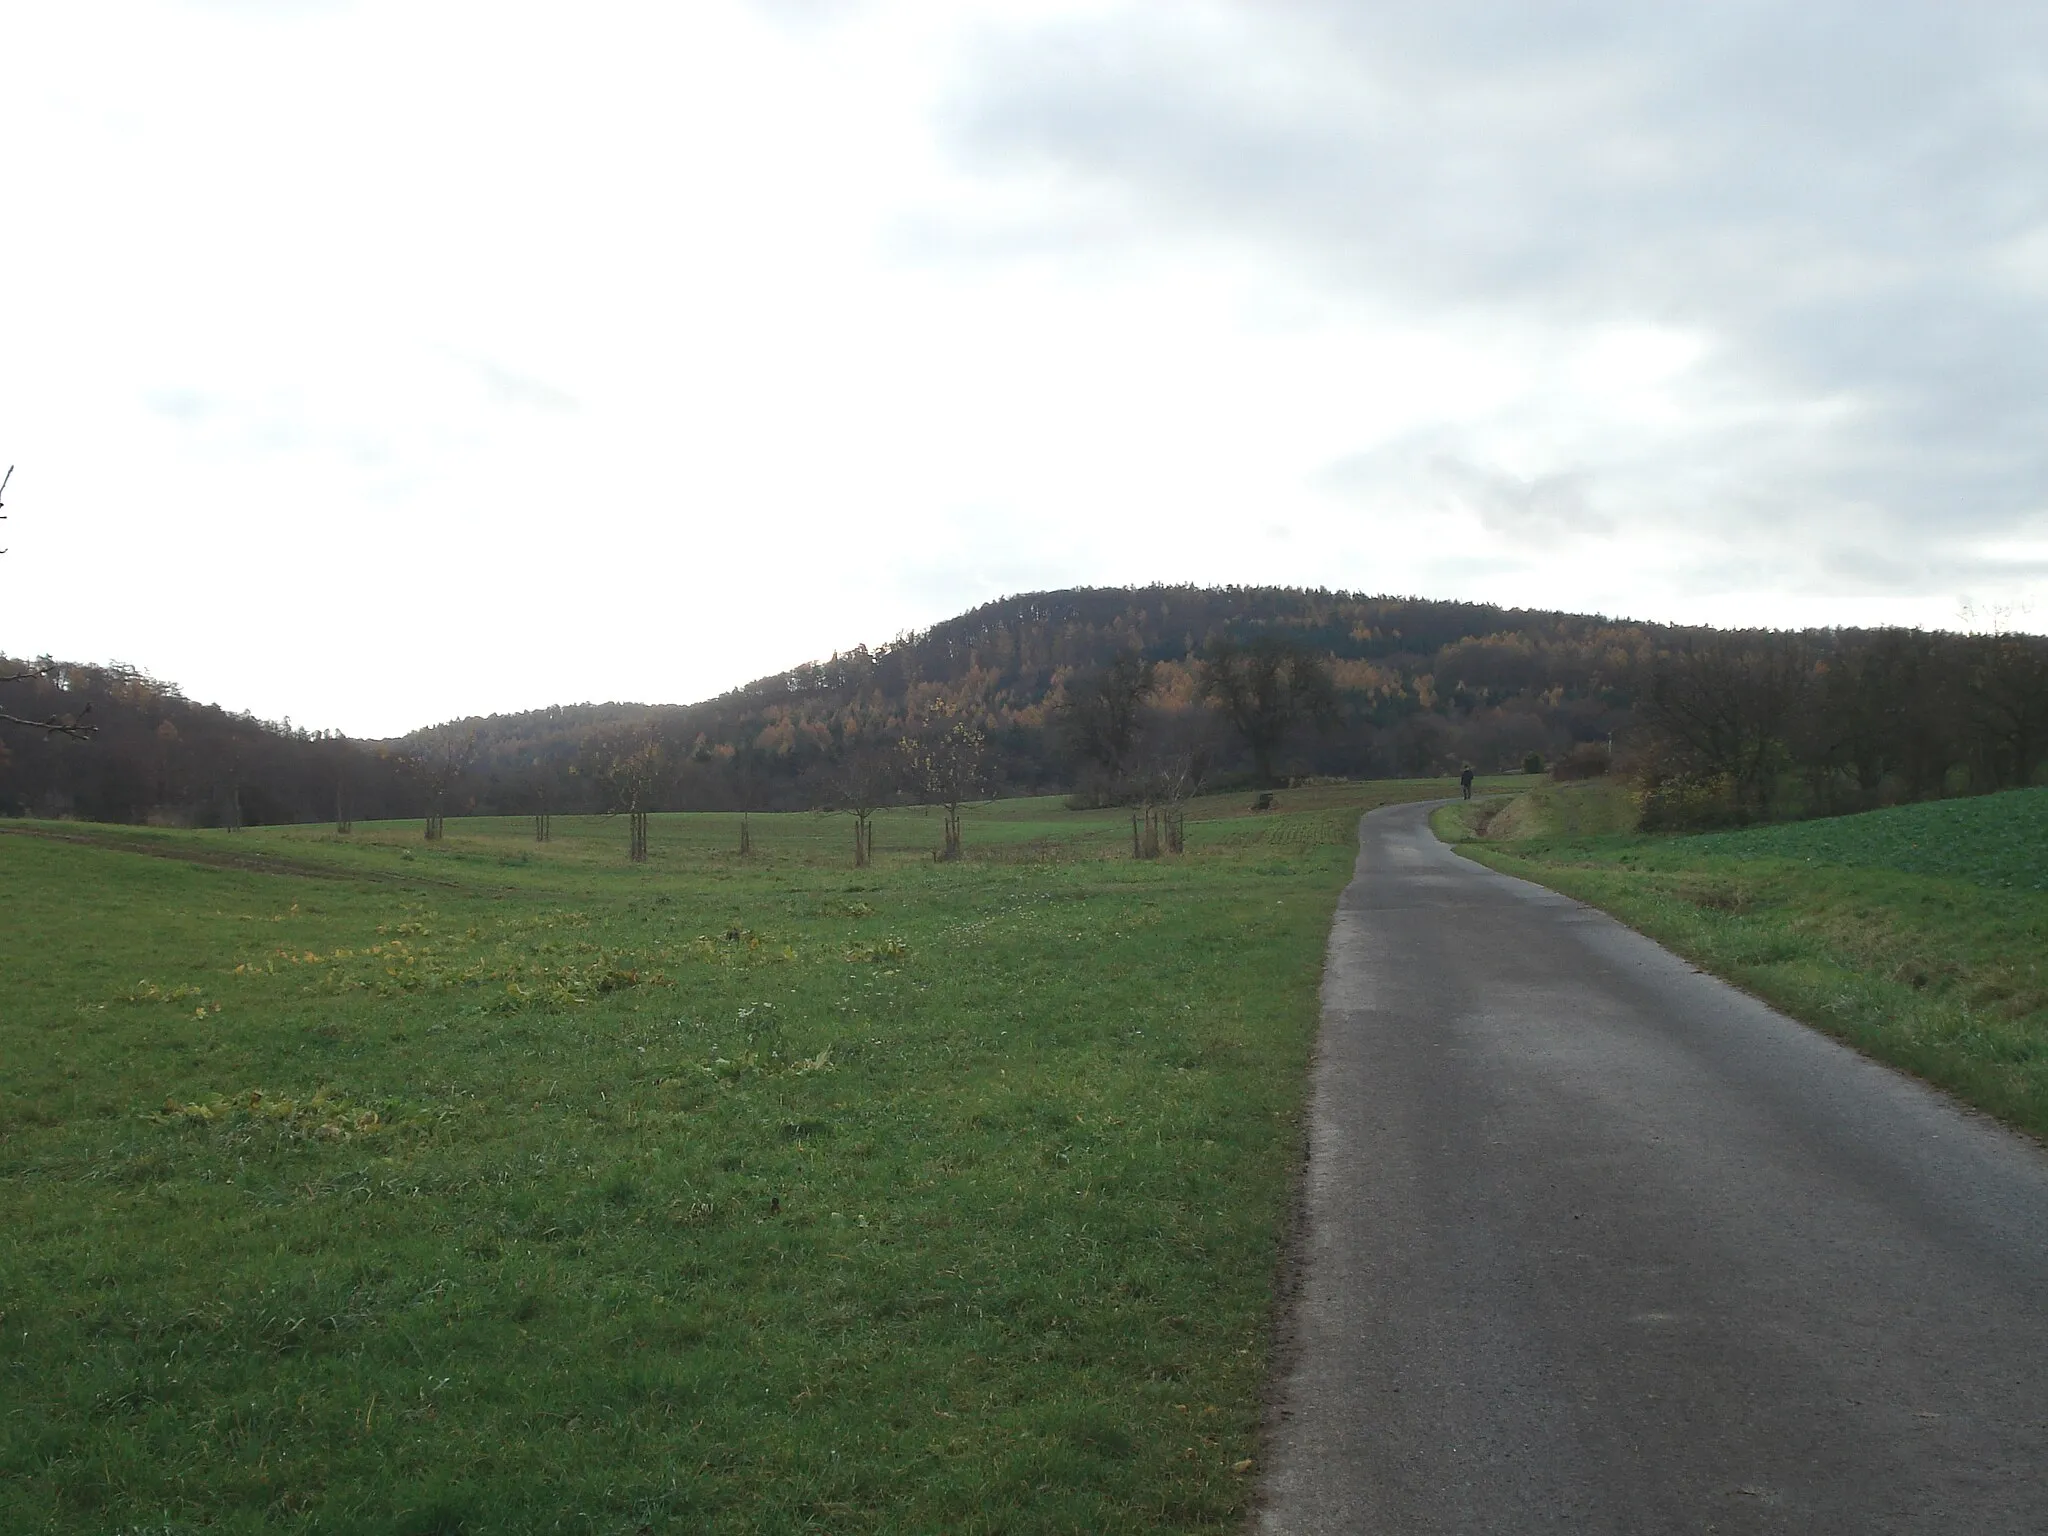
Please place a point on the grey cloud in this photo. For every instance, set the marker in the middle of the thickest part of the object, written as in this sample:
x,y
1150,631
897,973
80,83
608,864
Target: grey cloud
x,y
1434,472
1825,190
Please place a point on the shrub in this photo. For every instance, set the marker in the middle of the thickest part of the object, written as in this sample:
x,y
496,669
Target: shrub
x,y
1533,763
1587,760
1692,805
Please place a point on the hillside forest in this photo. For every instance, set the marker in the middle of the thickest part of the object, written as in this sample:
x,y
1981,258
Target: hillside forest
x,y
1109,695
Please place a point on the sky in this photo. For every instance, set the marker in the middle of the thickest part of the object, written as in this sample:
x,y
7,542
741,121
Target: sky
x,y
374,364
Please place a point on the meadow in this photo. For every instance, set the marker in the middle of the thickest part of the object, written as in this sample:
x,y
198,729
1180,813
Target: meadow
x,y
356,1183
1917,934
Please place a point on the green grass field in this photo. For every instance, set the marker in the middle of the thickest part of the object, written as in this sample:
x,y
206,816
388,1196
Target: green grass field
x,y
361,1184
1919,934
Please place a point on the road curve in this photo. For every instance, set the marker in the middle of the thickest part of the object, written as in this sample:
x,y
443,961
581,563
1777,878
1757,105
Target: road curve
x,y
1597,1243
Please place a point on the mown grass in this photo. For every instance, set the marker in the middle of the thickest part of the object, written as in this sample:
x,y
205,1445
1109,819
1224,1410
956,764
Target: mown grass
x,y
358,1184
1918,935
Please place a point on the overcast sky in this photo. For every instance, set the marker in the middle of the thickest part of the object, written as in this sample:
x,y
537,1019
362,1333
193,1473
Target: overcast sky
x,y
377,363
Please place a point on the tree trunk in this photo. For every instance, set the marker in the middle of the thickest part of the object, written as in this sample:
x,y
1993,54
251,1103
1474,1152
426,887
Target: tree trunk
x,y
636,835
746,836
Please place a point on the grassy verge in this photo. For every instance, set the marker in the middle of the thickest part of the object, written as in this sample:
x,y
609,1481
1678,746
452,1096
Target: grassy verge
x,y
1918,935
358,1184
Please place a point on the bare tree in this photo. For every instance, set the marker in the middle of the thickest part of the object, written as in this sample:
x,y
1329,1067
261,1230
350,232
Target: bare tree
x,y
1159,821
746,765
2007,677
344,820
1102,713
1720,707
948,763
1886,707
61,724
861,783
631,769
1266,687
439,764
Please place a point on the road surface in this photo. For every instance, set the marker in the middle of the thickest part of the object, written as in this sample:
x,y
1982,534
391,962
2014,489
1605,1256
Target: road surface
x,y
1595,1243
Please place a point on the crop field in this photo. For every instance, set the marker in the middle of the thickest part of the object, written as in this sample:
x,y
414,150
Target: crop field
x,y
1918,934
364,1184
1996,841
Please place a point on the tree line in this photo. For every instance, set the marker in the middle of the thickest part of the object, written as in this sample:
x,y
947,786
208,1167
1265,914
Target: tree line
x,y
1140,695
1737,727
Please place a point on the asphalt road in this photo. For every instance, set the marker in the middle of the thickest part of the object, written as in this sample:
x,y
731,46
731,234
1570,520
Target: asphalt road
x,y
1596,1243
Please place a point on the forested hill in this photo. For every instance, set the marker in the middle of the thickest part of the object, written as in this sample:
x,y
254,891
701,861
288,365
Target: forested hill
x,y
1412,687
1419,685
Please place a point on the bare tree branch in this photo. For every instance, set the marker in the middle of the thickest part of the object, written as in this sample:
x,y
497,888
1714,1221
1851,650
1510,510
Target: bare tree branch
x,y
73,726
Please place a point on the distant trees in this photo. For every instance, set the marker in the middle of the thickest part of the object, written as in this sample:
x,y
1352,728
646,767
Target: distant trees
x,y
1720,708
63,723
1738,725
1883,711
156,755
2006,686
1414,687
1265,688
1102,715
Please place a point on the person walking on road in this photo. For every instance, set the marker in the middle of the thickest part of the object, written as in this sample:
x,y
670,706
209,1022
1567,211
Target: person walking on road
x,y
1465,781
